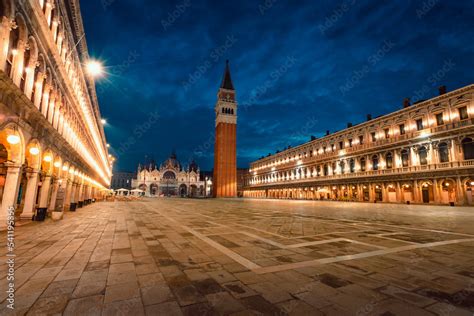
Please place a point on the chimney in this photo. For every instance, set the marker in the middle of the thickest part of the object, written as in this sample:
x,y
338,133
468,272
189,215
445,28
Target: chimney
x,y
406,103
327,133
369,117
442,90
349,125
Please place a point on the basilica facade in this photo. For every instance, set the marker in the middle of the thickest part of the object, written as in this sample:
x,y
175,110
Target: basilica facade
x,y
423,153
171,179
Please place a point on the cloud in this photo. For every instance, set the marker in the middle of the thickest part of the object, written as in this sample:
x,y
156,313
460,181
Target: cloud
x,y
308,91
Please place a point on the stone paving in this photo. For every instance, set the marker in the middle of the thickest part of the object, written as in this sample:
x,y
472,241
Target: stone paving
x,y
246,257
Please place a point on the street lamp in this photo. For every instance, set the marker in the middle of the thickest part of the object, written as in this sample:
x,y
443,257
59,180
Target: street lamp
x,y
94,68
103,121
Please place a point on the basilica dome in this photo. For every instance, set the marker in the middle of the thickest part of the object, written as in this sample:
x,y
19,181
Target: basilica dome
x,y
171,163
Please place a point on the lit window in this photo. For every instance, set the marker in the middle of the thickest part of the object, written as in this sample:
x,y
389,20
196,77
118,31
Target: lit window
x,y
439,119
402,129
419,124
463,113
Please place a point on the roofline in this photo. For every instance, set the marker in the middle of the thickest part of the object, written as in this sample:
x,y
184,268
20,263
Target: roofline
x,y
417,105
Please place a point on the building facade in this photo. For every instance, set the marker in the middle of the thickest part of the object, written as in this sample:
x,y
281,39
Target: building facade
x,y
170,179
423,153
122,180
53,152
225,148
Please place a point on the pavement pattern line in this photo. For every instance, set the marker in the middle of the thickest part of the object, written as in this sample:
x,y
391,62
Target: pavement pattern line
x,y
235,256
283,267
304,264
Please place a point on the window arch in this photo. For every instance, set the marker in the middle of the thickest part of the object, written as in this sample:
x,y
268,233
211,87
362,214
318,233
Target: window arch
x,y
12,50
363,164
6,8
468,148
405,158
443,152
423,155
375,162
342,165
389,161
169,175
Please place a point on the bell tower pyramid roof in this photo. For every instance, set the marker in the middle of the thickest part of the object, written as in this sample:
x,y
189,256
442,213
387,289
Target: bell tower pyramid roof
x,y
227,80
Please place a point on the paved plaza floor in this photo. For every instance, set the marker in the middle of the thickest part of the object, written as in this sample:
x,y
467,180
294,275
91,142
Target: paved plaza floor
x,y
246,257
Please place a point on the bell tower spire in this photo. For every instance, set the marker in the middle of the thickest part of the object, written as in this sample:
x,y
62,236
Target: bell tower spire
x,y
225,149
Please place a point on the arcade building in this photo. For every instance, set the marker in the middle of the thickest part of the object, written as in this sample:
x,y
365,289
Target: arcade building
x,y
423,153
53,152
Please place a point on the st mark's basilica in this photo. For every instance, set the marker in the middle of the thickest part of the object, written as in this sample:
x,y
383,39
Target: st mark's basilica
x,y
171,178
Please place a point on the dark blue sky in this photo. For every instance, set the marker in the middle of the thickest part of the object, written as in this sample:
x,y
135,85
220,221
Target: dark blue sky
x,y
299,67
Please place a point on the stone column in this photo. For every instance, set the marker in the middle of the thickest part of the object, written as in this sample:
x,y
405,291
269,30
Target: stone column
x,y
67,199
30,194
47,12
416,192
454,151
436,191
38,90
54,28
431,156
413,157
44,192
400,197
51,108
460,191
80,197
371,195
5,28
54,195
10,193
45,101
30,79
384,189
18,61
73,193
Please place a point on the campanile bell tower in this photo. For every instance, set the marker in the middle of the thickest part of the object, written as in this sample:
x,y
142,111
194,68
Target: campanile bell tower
x,y
225,148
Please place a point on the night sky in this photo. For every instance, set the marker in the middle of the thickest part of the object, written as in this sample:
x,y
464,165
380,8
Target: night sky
x,y
299,68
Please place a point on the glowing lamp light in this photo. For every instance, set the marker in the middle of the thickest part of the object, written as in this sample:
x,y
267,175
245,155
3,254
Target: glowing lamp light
x,y
34,151
425,134
57,164
103,121
14,52
13,139
94,68
47,158
64,168
108,145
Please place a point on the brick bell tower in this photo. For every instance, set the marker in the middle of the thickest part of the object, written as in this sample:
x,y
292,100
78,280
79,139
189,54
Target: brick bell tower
x,y
225,148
